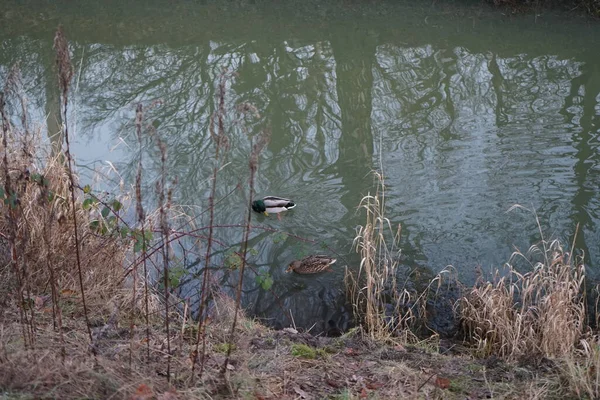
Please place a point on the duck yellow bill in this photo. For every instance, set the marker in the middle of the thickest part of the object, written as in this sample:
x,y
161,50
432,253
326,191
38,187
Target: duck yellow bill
x,y
266,213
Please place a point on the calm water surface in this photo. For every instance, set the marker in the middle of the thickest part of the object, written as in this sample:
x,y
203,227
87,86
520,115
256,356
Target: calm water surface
x,y
468,110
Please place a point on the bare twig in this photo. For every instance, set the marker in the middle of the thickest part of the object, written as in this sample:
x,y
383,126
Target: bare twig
x,y
11,196
257,147
220,143
65,73
164,225
141,216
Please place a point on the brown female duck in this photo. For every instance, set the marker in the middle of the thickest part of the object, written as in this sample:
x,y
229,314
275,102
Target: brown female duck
x,y
311,265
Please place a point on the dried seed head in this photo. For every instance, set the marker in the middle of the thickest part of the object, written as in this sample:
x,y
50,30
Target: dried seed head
x,y
248,108
139,115
63,61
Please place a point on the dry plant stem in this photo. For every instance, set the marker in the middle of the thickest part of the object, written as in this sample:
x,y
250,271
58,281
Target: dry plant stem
x,y
12,223
165,248
139,116
263,138
219,142
65,72
175,235
25,277
56,310
138,177
238,294
19,264
14,80
132,318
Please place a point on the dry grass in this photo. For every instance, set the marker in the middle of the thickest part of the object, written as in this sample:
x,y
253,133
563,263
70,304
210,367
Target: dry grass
x,y
582,370
538,313
374,285
43,227
43,372
383,308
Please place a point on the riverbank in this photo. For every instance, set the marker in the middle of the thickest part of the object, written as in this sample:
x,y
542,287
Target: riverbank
x,y
264,364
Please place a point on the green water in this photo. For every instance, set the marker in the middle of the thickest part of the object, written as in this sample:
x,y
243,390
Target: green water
x,y
469,110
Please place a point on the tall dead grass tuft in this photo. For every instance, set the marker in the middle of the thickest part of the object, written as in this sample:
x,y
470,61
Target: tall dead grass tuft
x,y
538,313
378,301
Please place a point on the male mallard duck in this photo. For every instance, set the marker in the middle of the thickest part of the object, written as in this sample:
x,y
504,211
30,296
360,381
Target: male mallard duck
x,y
311,265
272,204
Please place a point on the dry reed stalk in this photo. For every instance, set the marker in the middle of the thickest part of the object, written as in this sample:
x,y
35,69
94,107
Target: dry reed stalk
x,y
65,74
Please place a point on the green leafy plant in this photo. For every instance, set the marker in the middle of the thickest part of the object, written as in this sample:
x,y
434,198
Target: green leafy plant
x,y
265,280
232,259
141,240
303,351
224,347
280,237
175,275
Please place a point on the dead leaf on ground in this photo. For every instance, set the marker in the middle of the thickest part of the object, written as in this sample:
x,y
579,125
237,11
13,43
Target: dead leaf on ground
x,y
333,383
442,383
363,393
374,385
142,392
351,352
68,292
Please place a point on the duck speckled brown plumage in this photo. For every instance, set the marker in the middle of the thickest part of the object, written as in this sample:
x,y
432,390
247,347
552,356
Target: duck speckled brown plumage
x,y
311,265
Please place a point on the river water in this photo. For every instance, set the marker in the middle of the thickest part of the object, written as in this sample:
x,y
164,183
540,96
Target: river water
x,y
468,110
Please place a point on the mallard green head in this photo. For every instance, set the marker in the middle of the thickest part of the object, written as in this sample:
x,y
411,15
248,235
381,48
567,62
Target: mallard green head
x,y
259,206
